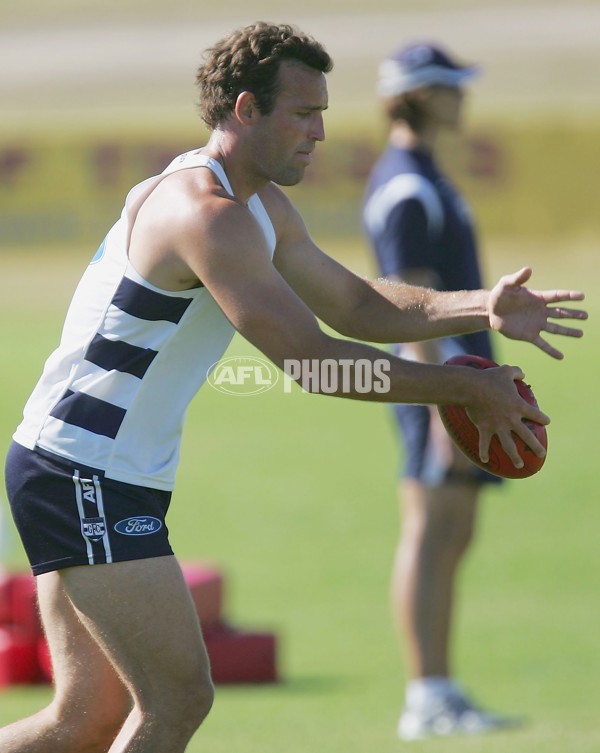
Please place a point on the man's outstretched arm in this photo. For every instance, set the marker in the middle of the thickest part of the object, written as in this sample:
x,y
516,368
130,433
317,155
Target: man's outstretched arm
x,y
383,311
509,307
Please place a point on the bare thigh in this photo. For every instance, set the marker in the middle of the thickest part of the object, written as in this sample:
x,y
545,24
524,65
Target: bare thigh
x,y
90,703
142,616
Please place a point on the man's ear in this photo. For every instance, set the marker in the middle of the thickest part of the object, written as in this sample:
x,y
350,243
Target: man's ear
x,y
245,108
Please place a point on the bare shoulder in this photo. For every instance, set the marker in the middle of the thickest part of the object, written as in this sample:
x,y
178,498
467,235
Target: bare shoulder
x,y
274,199
189,197
187,220
283,214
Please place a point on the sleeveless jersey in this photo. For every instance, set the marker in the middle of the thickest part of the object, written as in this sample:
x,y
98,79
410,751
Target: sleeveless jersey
x,y
113,395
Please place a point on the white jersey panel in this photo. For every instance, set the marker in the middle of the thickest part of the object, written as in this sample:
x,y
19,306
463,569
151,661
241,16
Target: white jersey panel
x,y
114,394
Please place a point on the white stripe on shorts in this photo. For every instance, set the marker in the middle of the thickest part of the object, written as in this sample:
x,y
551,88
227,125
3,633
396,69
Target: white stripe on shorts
x,y
79,497
100,503
100,508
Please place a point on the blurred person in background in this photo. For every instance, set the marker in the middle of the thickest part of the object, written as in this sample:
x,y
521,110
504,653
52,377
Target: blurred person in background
x,y
422,233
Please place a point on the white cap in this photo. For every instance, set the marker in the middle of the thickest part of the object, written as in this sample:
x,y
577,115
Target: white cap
x,y
420,65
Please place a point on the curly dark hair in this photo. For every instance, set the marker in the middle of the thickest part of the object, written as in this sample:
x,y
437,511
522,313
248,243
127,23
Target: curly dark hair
x,y
248,59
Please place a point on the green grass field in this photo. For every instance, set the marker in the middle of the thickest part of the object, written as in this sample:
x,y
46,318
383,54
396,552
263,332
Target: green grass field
x,y
293,497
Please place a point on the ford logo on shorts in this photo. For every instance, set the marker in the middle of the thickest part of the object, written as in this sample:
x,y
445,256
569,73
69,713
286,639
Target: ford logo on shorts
x,y
140,525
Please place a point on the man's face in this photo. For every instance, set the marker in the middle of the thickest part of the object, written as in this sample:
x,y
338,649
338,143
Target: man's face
x,y
285,139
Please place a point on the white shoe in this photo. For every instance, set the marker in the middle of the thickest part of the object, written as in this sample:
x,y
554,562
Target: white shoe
x,y
450,715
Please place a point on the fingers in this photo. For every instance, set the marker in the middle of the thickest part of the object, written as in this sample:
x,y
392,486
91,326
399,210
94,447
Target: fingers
x,y
529,412
510,448
555,329
518,278
484,445
560,312
516,426
530,440
549,296
560,329
507,441
545,346
557,296
564,313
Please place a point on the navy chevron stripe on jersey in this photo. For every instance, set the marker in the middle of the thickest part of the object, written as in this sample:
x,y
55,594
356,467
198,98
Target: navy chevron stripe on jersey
x,y
120,356
89,413
136,300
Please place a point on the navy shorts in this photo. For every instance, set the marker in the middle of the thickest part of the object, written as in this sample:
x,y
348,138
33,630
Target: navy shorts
x,y
67,514
420,460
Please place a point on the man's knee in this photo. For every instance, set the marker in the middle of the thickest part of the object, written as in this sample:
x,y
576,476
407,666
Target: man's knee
x,y
89,730
195,697
199,701
180,703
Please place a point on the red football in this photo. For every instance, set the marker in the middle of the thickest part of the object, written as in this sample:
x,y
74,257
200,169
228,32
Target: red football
x,y
464,432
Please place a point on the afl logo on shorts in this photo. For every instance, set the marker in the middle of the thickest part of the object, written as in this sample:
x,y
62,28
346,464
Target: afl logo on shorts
x,y
140,525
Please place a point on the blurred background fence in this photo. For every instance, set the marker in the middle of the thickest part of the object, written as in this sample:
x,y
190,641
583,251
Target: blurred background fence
x,y
95,99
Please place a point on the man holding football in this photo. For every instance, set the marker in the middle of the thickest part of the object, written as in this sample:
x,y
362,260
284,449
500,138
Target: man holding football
x,y
209,247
